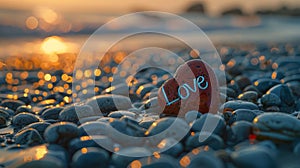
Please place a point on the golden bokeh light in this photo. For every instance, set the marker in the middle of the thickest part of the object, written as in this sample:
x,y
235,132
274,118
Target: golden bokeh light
x,y
47,14
53,45
31,22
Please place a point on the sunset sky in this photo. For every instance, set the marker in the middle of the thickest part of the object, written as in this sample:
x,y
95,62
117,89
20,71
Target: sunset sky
x,y
16,13
114,6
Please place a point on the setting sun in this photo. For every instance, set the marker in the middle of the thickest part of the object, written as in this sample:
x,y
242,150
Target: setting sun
x,y
53,45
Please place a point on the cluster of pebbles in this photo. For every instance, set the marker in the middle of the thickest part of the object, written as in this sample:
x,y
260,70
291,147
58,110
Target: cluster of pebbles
x,y
257,126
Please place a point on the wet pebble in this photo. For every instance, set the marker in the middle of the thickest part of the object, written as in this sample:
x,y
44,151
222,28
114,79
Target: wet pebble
x,y
242,115
29,137
61,133
125,156
91,141
209,123
202,139
201,157
119,114
238,104
91,157
12,104
250,96
51,113
276,126
270,100
39,126
170,146
23,119
24,108
73,113
168,127
109,103
158,160
255,156
191,116
263,85
241,131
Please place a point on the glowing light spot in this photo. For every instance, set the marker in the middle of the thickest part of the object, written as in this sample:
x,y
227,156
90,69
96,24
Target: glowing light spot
x,y
156,155
274,65
9,75
85,138
162,144
140,89
87,73
52,45
64,77
31,23
136,164
48,15
185,161
231,63
195,151
53,79
40,75
79,74
84,150
194,53
274,75
50,86
24,75
97,72
47,77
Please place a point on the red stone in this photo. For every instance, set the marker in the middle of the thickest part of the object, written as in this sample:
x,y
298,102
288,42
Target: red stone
x,y
194,87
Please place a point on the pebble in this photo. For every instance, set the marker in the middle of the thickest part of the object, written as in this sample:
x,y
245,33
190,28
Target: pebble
x,y
146,122
61,133
24,108
104,104
73,113
29,137
51,113
125,156
39,126
263,85
209,123
119,114
286,97
194,87
241,130
168,127
22,119
91,141
191,116
158,160
170,146
204,139
94,128
12,104
242,115
91,157
201,157
270,100
276,126
238,104
250,96
254,156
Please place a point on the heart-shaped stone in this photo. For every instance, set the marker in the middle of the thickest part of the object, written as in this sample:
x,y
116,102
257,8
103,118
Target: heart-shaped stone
x,y
194,87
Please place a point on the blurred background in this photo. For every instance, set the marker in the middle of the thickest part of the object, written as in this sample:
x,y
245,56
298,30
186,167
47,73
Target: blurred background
x,y
47,28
